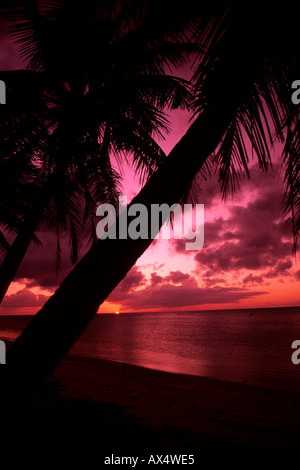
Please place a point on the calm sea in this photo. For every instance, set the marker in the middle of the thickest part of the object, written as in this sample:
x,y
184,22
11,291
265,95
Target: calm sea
x,y
252,346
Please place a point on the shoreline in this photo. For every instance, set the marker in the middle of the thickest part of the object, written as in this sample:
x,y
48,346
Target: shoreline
x,y
91,408
274,385
195,407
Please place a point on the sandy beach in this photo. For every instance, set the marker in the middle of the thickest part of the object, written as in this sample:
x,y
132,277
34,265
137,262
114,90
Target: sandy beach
x,y
91,408
126,408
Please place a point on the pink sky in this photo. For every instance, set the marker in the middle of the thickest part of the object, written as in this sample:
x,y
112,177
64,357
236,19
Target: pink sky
x,y
246,260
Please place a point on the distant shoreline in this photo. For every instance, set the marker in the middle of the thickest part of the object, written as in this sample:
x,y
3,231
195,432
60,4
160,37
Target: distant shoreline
x,y
3,314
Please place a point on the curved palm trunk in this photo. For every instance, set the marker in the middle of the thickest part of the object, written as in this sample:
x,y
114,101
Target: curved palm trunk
x,y
18,249
61,321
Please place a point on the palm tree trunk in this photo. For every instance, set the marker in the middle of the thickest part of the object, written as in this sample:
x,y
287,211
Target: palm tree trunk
x,y
64,317
3,242
18,249
57,326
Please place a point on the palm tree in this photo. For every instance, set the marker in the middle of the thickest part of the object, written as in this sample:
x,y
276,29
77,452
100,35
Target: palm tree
x,y
242,85
32,191
95,104
21,138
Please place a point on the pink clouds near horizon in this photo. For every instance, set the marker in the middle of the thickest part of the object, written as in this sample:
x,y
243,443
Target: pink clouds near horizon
x,y
175,290
246,259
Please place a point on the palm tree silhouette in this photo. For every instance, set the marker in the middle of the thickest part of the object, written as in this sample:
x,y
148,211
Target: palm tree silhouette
x,y
243,82
19,145
95,103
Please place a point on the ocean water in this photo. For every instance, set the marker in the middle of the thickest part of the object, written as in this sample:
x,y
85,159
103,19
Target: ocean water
x,y
251,346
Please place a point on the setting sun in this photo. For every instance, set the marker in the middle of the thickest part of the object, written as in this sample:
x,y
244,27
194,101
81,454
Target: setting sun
x,y
117,313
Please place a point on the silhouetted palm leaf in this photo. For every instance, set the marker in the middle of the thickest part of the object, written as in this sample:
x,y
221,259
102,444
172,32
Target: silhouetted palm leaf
x,y
100,90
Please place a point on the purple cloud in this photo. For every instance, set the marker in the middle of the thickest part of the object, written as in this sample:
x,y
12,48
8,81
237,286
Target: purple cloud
x,y
23,298
161,292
